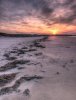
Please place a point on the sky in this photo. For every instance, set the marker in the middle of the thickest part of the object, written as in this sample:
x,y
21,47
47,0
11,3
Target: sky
x,y
38,16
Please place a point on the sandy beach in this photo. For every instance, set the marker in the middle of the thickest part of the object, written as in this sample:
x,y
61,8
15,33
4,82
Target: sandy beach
x,y
38,68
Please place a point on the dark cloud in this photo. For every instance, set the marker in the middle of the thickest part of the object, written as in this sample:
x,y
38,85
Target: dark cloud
x,y
69,15
41,5
71,4
1,10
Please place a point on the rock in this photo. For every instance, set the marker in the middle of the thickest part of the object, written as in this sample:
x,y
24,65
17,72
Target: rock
x,y
57,73
6,78
6,55
24,79
26,92
11,58
37,44
20,51
71,61
20,68
38,54
6,90
13,64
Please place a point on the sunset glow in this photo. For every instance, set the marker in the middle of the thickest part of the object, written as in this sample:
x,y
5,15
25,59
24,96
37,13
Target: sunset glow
x,y
37,16
54,31
62,28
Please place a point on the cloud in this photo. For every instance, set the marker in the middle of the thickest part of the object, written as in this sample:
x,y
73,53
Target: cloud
x,y
69,5
47,11
15,6
40,5
68,16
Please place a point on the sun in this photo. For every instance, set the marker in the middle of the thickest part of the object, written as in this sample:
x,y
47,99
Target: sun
x,y
54,31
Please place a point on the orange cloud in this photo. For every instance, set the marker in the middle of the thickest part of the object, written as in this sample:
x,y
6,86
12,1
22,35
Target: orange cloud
x,y
61,28
36,26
